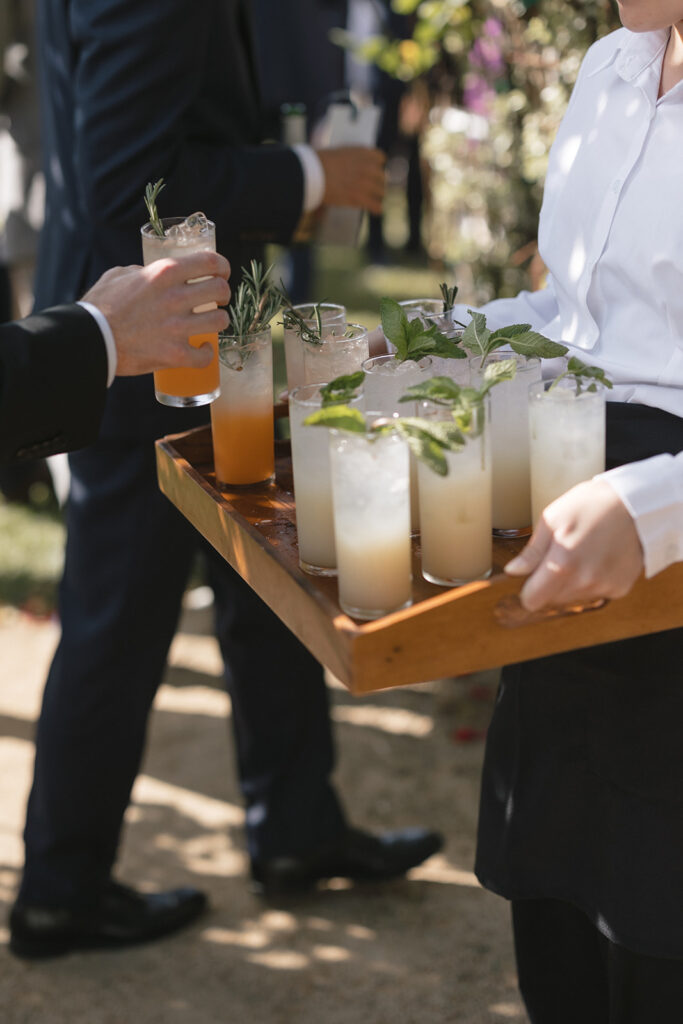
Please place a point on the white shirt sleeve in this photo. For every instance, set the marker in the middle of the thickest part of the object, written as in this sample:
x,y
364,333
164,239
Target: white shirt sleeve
x,y
652,491
314,176
537,308
107,336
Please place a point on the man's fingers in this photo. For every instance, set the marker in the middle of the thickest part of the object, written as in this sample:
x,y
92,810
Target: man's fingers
x,y
192,265
210,322
198,358
199,293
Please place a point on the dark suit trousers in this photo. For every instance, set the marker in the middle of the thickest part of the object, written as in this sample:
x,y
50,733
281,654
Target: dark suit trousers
x,y
127,561
570,973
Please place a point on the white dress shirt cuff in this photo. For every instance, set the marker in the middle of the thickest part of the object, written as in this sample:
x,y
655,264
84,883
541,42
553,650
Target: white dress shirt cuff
x,y
107,336
652,491
314,176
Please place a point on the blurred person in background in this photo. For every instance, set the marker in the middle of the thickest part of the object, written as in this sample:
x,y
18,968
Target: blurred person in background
x,y
133,93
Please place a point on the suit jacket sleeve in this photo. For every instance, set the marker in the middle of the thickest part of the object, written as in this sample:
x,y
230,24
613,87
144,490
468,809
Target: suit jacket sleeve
x,y
167,90
53,381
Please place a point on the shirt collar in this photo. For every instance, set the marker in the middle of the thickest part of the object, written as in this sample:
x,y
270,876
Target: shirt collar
x,y
634,53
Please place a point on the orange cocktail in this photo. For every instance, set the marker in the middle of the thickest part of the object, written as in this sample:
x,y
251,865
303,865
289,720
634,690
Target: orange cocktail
x,y
185,386
242,416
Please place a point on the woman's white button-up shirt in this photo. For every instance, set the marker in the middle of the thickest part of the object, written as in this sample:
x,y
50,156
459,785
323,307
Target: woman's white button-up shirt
x,y
611,235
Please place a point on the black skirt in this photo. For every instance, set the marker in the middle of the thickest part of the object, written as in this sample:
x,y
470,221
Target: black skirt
x,y
582,791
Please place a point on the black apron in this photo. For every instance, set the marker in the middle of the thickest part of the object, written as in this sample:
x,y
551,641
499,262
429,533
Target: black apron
x,y
582,791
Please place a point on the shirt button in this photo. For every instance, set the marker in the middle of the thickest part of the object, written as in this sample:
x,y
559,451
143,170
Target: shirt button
x,y
616,185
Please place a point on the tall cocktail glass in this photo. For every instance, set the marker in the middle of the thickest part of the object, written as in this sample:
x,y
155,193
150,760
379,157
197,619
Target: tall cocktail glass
x,y
242,416
386,380
510,442
343,350
185,386
312,483
567,432
455,510
330,313
371,494
431,311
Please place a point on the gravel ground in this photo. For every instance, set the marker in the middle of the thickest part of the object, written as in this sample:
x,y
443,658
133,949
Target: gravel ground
x,y
434,948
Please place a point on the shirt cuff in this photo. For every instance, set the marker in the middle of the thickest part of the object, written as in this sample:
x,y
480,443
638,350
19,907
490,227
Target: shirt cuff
x,y
107,336
652,492
314,176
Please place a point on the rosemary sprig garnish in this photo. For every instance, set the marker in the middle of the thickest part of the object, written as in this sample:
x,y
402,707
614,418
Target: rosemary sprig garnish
x,y
448,296
151,194
294,321
256,301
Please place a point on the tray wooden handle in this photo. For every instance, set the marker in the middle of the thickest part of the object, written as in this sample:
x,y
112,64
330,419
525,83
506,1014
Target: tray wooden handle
x,y
510,612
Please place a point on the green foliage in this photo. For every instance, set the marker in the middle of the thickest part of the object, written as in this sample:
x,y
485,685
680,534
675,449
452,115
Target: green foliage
x,y
585,376
151,195
412,338
342,390
494,80
256,302
479,340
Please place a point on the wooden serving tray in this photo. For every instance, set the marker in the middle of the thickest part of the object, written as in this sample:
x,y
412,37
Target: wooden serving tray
x,y
445,632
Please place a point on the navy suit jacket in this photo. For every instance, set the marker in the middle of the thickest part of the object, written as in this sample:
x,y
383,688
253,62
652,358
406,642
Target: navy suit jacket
x,y
53,377
136,90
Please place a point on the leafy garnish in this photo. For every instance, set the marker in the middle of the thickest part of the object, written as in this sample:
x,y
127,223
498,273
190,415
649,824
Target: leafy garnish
x,y
342,390
338,417
256,302
439,390
151,193
413,339
427,439
461,400
448,296
309,329
582,373
479,340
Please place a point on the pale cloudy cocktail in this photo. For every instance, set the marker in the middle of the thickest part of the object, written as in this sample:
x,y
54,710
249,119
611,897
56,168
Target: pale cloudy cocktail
x,y
510,442
312,483
455,510
387,378
342,350
567,434
330,313
371,493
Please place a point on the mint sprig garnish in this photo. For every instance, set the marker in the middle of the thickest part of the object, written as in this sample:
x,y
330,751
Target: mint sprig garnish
x,y
338,417
461,400
413,339
480,341
151,195
342,390
427,439
586,377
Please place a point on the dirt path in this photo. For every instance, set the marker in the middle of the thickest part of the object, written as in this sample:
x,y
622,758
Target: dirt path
x,y
433,949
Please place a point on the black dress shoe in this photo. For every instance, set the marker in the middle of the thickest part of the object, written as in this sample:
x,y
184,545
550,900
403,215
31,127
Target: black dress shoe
x,y
121,917
359,856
